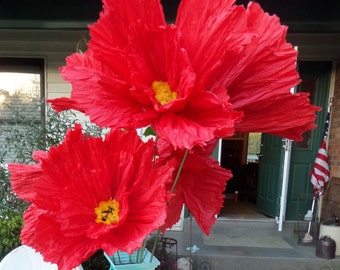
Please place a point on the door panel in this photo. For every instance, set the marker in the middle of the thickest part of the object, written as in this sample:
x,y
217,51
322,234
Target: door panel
x,y
270,171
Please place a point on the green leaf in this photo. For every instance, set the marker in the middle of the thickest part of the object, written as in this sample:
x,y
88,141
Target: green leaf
x,y
149,132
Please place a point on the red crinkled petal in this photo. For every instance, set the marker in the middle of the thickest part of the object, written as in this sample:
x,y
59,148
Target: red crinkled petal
x,y
200,187
210,30
23,178
281,122
63,104
78,174
110,35
42,232
101,95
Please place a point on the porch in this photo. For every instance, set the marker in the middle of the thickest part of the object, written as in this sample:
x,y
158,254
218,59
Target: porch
x,y
238,243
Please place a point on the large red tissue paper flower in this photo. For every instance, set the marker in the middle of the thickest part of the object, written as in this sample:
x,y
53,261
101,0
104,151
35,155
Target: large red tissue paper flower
x,y
192,80
200,185
245,51
89,194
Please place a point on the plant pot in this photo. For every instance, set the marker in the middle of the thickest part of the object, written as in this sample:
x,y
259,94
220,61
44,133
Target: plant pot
x,y
140,259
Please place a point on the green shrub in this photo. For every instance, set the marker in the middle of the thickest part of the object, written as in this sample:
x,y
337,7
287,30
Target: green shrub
x,y
10,227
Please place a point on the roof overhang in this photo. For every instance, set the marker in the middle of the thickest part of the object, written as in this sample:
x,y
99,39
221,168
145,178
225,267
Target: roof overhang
x,y
302,16
313,25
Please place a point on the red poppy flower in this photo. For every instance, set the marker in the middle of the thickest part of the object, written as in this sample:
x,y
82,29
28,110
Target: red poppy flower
x,y
200,185
251,59
181,78
89,194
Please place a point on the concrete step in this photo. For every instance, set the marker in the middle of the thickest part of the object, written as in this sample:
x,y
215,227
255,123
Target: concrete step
x,y
262,263
248,227
219,257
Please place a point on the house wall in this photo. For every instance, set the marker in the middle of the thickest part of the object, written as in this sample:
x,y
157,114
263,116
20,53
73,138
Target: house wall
x,y
334,134
52,45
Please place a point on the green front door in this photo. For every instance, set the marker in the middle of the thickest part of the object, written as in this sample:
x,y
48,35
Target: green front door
x,y
315,80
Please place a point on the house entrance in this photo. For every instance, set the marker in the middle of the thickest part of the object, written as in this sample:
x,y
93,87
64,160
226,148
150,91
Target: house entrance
x,y
241,155
258,181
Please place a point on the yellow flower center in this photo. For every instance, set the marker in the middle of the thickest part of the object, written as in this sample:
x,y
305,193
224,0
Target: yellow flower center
x,y
107,212
163,93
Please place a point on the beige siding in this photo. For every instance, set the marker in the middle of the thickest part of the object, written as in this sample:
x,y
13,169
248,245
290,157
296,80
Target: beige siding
x,y
52,45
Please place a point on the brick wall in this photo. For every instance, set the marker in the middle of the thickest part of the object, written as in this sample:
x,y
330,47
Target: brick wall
x,y
334,134
331,200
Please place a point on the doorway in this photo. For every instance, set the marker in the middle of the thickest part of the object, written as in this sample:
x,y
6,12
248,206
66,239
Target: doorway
x,y
241,154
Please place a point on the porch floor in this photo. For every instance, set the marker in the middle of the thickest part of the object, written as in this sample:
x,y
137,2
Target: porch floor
x,y
238,243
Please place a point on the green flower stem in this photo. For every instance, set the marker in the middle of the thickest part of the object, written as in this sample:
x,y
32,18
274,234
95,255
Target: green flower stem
x,y
119,260
141,252
179,170
157,237
155,243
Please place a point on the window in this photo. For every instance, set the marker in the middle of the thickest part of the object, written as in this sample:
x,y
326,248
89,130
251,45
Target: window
x,y
21,96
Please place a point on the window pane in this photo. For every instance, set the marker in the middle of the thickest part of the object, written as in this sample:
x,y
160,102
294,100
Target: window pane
x,y
19,92
254,147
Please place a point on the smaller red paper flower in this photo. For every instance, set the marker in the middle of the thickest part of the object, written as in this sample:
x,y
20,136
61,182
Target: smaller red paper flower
x,y
89,194
200,185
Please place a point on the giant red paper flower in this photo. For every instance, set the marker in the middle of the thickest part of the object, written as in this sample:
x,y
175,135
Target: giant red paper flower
x,y
187,79
89,194
200,185
249,56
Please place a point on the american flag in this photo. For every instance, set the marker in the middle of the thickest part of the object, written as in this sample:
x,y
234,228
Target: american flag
x,y
320,171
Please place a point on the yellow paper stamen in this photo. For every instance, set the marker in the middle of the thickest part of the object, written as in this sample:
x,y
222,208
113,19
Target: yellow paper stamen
x,y
163,93
107,212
